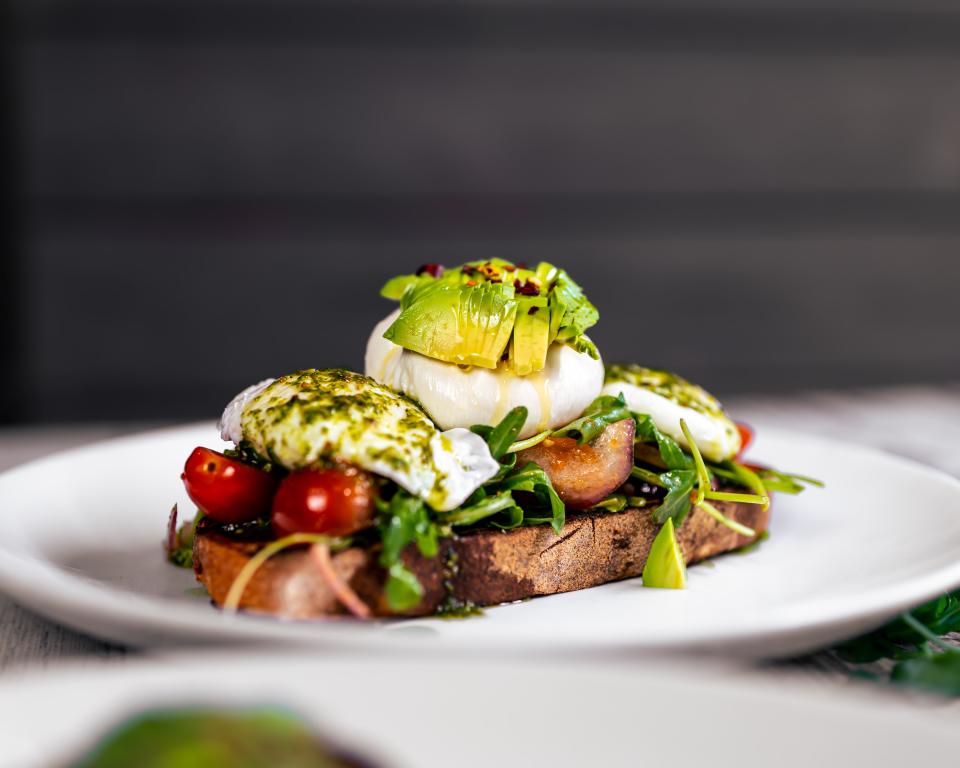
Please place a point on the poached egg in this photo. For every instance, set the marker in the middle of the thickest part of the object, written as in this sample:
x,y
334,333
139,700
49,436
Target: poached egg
x,y
455,396
306,417
667,399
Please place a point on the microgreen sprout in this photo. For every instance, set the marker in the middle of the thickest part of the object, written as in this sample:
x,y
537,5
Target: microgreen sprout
x,y
522,445
703,476
647,476
721,518
744,498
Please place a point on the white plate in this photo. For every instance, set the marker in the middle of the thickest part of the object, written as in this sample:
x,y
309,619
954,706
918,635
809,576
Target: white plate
x,y
80,537
482,713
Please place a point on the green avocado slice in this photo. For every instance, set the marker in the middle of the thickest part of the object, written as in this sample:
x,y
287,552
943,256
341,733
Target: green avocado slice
x,y
457,323
475,313
531,335
665,567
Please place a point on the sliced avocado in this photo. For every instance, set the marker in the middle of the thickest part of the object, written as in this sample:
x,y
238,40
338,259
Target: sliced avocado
x,y
579,314
456,323
483,294
531,335
395,287
557,311
665,567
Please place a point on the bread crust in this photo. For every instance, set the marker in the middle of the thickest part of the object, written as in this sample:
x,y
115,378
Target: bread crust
x,y
484,567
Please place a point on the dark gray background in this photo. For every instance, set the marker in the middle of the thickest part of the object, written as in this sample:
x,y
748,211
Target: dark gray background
x,y
761,196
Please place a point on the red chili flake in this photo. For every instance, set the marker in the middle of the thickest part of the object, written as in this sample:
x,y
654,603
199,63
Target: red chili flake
x,y
533,310
527,288
471,283
509,267
468,269
434,270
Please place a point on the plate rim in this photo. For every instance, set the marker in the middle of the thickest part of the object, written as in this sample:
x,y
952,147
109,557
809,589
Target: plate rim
x,y
52,591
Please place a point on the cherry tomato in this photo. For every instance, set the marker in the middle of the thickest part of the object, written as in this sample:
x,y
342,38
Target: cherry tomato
x,y
746,437
227,490
336,501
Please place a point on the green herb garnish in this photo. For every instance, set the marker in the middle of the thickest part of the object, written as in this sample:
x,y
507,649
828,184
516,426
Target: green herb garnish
x,y
913,641
404,520
179,545
502,436
602,412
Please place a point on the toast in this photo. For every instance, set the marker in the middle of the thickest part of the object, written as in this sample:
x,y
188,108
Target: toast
x,y
482,568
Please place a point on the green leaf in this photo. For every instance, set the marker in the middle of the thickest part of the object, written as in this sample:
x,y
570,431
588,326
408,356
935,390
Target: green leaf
x,y
746,477
676,504
939,673
403,591
533,479
907,640
502,436
404,520
603,411
615,503
507,465
578,313
468,515
397,286
511,517
670,451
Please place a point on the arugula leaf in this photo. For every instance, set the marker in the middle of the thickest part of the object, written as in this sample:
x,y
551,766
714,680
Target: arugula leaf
x,y
603,411
403,590
670,451
939,673
784,482
576,311
533,479
404,520
502,436
483,508
908,640
511,517
676,504
940,616
497,499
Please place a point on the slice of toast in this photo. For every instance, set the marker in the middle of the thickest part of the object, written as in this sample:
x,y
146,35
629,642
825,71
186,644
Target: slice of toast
x,y
485,567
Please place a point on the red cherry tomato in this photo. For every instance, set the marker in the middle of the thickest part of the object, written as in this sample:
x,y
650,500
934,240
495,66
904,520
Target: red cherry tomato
x,y
336,501
227,490
746,437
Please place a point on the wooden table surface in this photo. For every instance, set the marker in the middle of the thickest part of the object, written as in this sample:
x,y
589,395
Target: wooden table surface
x,y
916,422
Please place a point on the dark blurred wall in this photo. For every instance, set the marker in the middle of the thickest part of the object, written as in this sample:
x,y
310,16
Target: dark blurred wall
x,y
763,197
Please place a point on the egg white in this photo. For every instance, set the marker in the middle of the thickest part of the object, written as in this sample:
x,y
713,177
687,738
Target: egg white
x,y
299,419
715,435
461,397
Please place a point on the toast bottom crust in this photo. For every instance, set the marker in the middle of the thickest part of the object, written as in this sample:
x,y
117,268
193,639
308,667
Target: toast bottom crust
x,y
482,568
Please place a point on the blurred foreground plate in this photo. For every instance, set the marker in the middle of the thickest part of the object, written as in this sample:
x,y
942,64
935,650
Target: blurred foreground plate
x,y
480,713
81,532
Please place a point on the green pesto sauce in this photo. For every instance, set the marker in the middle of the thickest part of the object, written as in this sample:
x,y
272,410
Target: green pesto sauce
x,y
452,607
667,385
313,415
